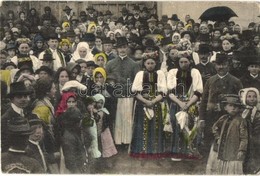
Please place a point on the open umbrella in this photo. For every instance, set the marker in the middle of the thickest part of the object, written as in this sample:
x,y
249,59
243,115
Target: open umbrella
x,y
220,13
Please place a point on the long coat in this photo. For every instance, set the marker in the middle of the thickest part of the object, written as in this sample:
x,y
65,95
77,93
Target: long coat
x,y
234,140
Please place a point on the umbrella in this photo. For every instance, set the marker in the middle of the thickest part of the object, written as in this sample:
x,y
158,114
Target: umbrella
x,y
220,13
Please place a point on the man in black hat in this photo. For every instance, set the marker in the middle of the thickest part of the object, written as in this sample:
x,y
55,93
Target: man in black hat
x,y
125,69
221,83
44,72
108,47
107,16
251,77
90,38
48,15
152,29
100,19
46,28
174,19
83,17
47,60
67,16
15,160
136,14
206,68
53,43
91,15
20,98
125,15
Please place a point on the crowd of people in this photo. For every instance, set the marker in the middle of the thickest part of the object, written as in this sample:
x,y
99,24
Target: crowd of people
x,y
77,91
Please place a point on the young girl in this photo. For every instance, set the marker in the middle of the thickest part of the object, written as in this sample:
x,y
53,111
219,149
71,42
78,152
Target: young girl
x,y
231,137
250,98
106,141
89,129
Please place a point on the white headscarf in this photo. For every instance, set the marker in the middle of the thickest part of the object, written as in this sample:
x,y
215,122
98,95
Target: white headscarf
x,y
98,97
76,56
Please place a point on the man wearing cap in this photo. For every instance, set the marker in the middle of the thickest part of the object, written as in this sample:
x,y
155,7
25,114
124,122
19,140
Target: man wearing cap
x,y
48,15
19,97
53,43
125,69
35,147
15,160
206,68
107,48
67,15
221,83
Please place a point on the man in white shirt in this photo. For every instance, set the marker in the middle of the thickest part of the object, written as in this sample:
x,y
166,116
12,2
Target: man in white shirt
x,y
53,43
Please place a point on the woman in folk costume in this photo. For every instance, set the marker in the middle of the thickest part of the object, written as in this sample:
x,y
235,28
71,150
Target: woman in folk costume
x,y
149,87
43,108
185,86
82,52
24,57
251,99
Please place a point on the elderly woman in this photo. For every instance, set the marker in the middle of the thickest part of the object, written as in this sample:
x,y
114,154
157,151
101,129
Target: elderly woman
x,y
82,52
185,88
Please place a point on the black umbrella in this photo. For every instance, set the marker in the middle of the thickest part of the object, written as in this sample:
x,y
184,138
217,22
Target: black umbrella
x,y
220,13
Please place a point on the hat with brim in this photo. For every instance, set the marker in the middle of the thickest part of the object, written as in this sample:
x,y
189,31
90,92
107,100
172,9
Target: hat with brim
x,y
90,8
108,12
8,64
221,58
121,41
45,69
152,20
107,40
174,17
47,57
92,64
124,10
252,60
10,46
204,49
89,37
18,88
25,67
136,7
33,119
53,36
19,126
231,99
190,34
82,13
67,8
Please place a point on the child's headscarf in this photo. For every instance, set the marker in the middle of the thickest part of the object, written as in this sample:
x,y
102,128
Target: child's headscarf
x,y
102,55
243,94
62,107
99,70
99,97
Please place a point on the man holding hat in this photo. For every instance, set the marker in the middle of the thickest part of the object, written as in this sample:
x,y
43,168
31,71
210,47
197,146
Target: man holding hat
x,y
15,160
221,83
53,43
19,97
125,69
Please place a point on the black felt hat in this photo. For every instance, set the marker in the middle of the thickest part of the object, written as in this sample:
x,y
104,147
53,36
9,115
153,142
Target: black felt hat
x,y
174,17
46,69
89,37
67,8
18,88
47,57
221,58
121,41
231,99
33,119
107,40
204,49
91,63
